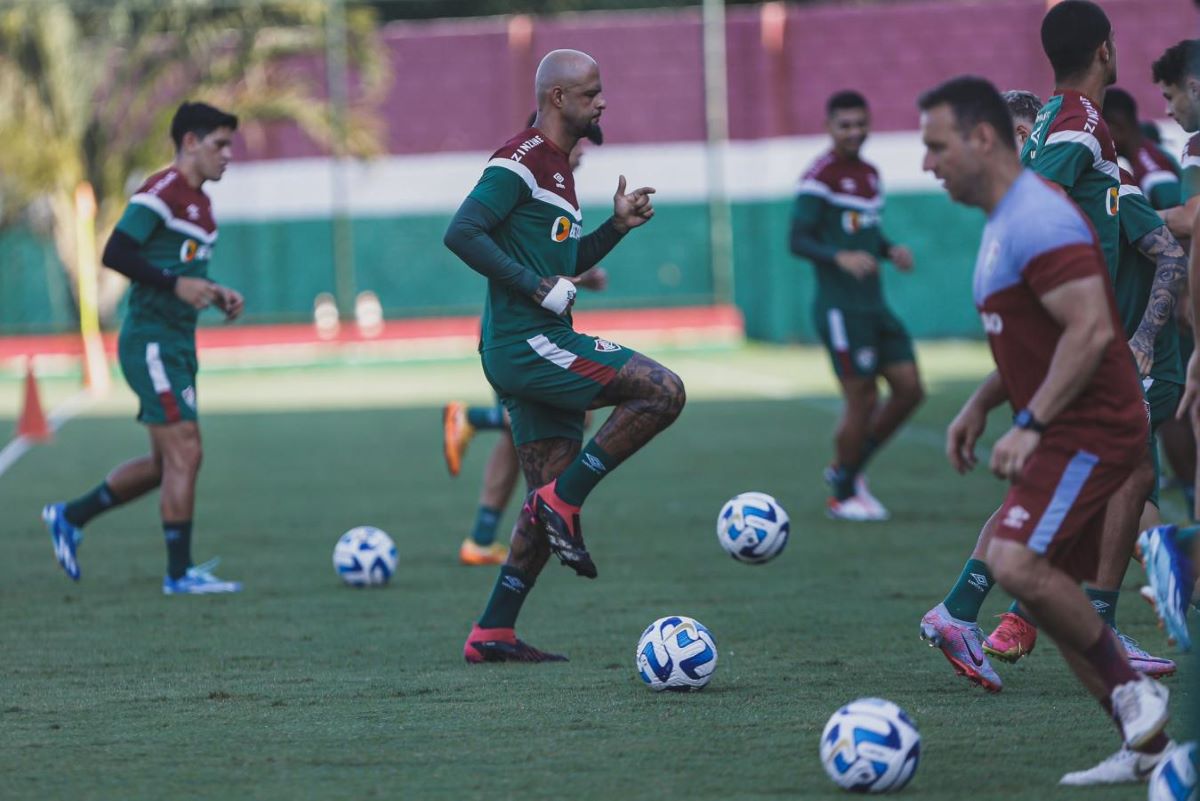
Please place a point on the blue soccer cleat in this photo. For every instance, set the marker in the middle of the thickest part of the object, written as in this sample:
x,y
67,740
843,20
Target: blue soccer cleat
x,y
199,580
66,537
1169,572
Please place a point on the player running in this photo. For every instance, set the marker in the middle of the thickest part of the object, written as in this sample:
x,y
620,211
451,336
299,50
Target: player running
x,y
836,226
163,243
1047,306
521,227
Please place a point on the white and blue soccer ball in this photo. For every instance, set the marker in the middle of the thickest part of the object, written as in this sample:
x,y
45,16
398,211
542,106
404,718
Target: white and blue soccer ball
x,y
1174,779
753,528
870,746
676,653
365,557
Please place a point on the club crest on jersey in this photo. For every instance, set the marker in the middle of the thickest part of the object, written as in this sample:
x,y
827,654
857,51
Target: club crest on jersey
x,y
192,250
564,229
1112,201
605,346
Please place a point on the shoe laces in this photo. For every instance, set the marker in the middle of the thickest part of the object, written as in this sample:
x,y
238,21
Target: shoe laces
x,y
205,569
1131,645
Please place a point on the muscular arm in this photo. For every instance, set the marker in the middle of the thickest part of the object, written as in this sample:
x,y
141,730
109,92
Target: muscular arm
x,y
596,245
469,238
989,394
123,254
1081,308
1170,274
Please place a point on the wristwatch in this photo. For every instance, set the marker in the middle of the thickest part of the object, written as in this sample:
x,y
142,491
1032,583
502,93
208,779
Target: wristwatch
x,y
1025,419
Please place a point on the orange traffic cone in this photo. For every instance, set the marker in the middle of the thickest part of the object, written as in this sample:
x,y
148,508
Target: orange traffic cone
x,y
32,423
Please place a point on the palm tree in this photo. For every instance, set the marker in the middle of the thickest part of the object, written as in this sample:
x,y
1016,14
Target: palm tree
x,y
87,93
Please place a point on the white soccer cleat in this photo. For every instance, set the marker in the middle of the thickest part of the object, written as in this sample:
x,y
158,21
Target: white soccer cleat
x,y
863,492
1124,767
1141,708
852,508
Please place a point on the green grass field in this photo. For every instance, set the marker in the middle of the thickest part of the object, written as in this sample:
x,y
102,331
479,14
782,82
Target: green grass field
x,y
301,688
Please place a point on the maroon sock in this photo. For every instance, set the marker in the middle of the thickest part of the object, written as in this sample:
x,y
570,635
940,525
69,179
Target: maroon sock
x,y
1109,662
1157,745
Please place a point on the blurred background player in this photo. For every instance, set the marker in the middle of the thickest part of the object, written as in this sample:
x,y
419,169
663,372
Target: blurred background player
x,y
460,422
521,227
163,244
836,226
1041,287
1177,73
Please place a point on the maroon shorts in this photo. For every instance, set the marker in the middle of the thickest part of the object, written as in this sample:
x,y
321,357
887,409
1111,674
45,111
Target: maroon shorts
x,y
1056,507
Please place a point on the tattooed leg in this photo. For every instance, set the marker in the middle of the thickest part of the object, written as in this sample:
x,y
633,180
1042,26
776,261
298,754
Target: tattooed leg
x,y
542,461
648,397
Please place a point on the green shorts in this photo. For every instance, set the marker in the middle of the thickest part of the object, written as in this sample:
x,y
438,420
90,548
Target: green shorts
x,y
162,373
861,343
550,380
1162,399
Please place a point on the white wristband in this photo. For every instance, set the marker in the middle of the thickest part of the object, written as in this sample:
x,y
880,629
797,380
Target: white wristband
x,y
560,297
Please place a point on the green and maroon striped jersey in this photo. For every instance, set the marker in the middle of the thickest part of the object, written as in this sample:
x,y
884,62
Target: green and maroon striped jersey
x,y
1156,174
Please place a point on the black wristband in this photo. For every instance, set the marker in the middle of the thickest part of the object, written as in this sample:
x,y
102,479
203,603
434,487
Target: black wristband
x,y
1025,419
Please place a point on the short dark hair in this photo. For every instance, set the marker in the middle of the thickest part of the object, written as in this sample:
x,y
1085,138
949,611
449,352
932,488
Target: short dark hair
x,y
1022,104
200,119
845,99
1177,62
1071,32
973,100
1119,104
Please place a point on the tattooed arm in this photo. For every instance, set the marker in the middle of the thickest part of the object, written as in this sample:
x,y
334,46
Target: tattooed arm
x,y
1170,276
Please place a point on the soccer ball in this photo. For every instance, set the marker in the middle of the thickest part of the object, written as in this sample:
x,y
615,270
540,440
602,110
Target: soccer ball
x,y
365,557
870,746
753,528
676,653
1174,779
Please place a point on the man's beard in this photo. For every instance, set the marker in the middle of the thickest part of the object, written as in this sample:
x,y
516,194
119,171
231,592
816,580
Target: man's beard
x,y
593,133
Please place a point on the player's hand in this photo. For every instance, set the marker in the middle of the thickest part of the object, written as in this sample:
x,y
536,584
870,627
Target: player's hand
x,y
858,263
902,257
633,209
1191,389
595,279
199,293
961,435
1012,451
1143,354
229,301
555,293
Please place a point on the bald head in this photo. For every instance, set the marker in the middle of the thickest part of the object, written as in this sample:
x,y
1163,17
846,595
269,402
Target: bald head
x,y
563,69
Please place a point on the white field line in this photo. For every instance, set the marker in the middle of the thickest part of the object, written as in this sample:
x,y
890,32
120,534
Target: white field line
x,y
20,445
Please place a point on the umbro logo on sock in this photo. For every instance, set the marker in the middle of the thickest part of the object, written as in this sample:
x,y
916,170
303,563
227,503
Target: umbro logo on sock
x,y
1100,606
513,583
594,464
978,581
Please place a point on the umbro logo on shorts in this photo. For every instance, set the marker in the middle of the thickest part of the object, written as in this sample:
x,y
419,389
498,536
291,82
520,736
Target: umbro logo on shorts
x,y
189,396
604,346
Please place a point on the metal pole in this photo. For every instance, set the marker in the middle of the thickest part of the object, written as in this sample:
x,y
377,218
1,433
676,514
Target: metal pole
x,y
336,47
716,108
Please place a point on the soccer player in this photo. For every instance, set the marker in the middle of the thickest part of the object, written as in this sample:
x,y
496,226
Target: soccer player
x,y
521,227
1177,73
1046,303
163,243
1155,172
460,422
836,226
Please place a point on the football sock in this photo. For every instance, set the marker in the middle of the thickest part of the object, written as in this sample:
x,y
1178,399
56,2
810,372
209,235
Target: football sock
x,y
969,592
1019,611
1106,658
179,547
486,520
1105,603
81,510
1189,494
869,448
486,417
841,482
507,596
583,474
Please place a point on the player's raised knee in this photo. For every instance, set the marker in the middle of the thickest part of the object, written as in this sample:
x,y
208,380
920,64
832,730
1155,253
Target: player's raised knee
x,y
672,395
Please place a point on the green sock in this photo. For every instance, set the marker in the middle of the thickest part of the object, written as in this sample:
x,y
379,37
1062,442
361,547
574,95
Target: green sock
x,y
485,418
583,474
507,596
969,592
869,448
1105,603
1020,612
486,520
841,482
179,547
81,510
